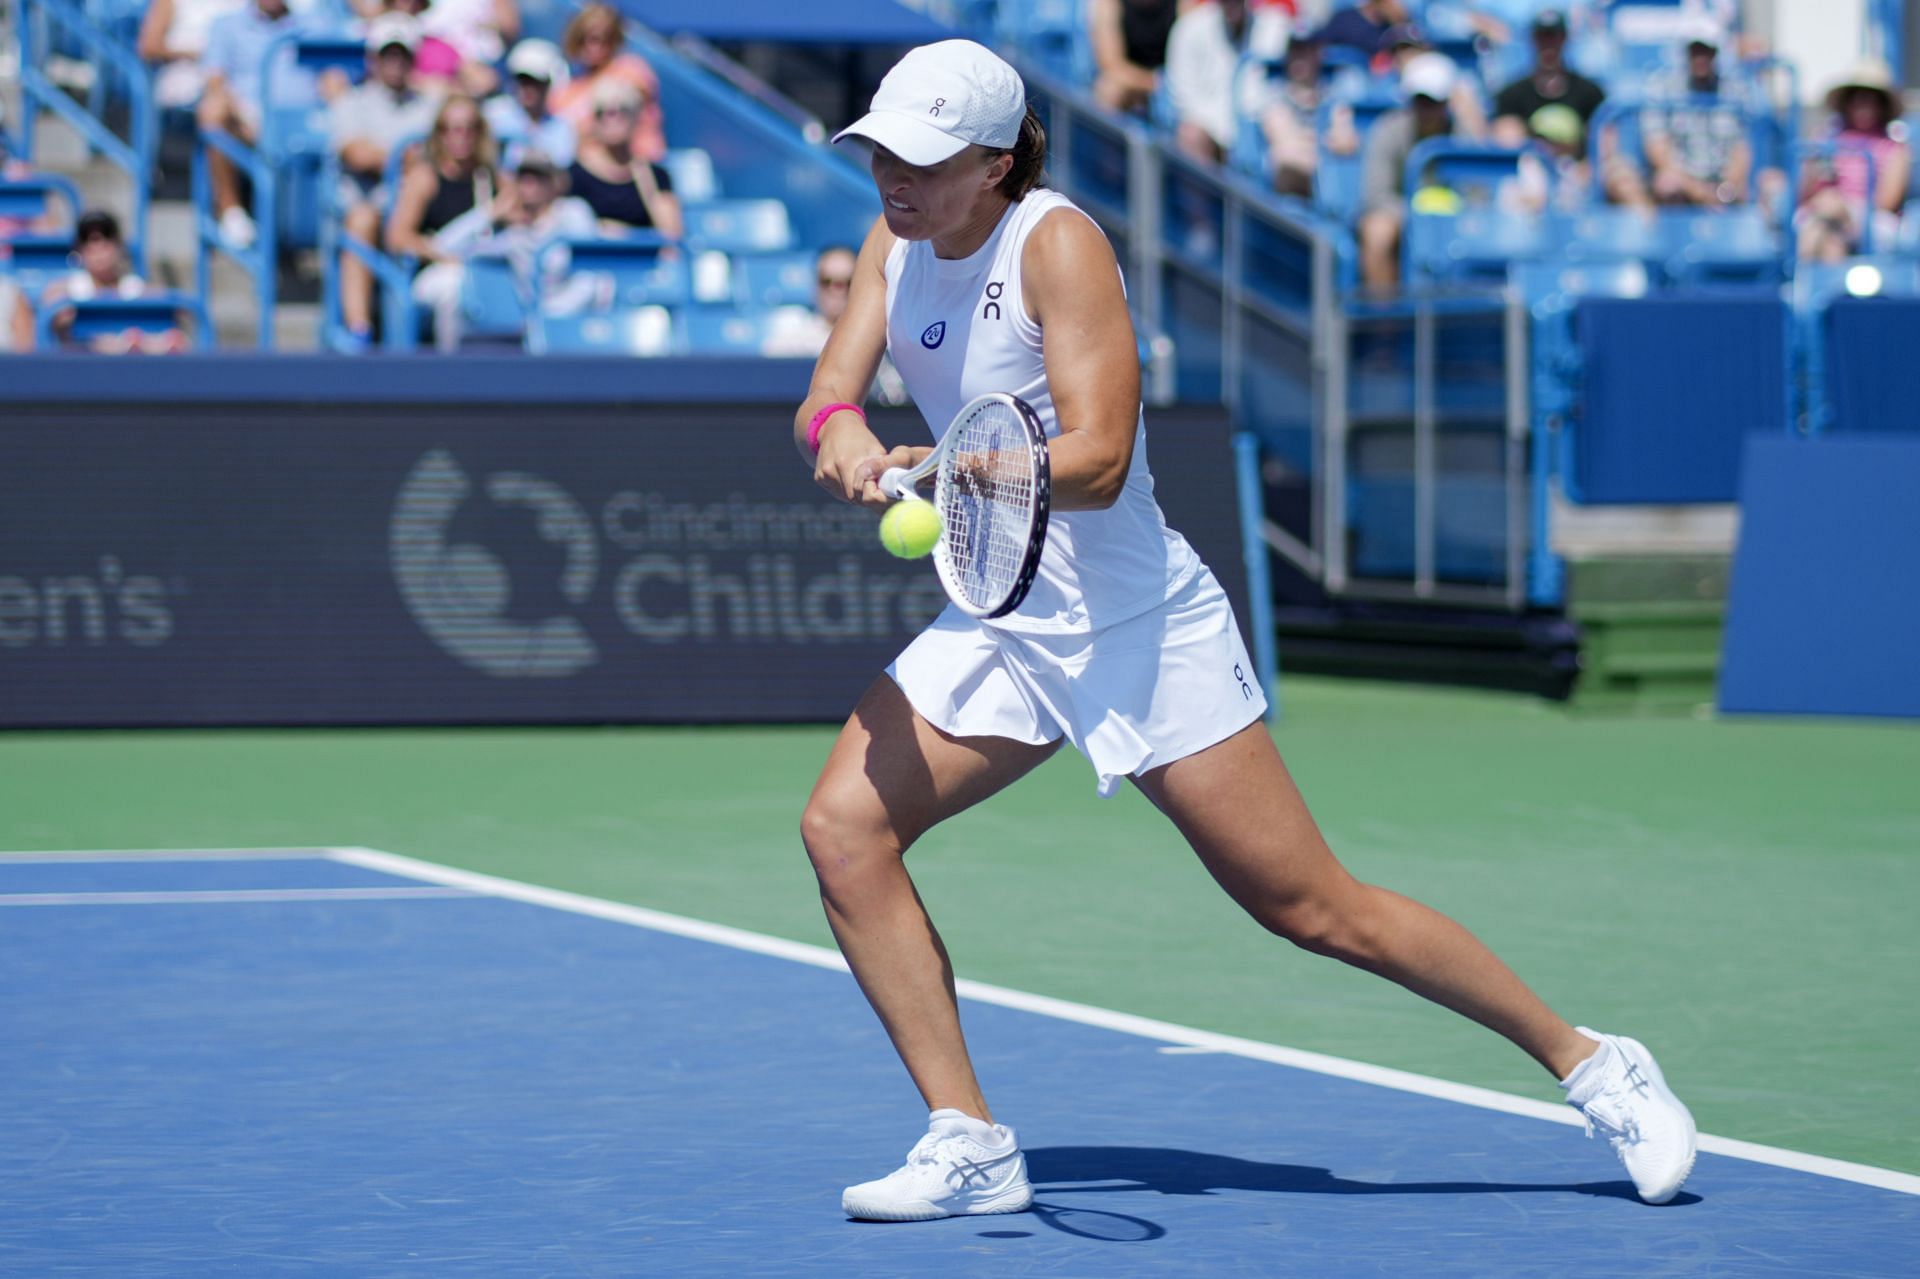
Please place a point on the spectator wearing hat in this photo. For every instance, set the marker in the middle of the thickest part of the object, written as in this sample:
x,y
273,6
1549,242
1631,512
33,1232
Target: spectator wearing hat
x,y
1129,41
524,225
1551,82
1405,41
103,272
437,63
625,191
1865,181
595,42
1694,138
523,115
1292,126
1210,95
1429,81
364,125
234,97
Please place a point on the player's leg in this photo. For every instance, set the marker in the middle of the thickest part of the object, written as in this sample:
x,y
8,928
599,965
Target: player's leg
x,y
890,778
1238,807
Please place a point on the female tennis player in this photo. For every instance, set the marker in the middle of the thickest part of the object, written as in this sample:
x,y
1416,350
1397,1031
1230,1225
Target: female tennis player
x,y
976,279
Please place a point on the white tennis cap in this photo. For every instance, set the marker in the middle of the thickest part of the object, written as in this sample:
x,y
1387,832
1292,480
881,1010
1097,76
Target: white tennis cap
x,y
1428,75
939,98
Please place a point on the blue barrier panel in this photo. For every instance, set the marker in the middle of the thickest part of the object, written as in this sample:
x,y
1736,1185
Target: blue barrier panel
x,y
1823,611
1869,345
1670,388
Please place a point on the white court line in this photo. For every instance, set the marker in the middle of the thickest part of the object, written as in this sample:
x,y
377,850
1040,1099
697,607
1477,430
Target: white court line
x,y
165,855
191,896
1086,1014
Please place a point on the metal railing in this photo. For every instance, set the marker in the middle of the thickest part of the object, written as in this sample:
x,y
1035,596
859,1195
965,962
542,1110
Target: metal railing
x,y
41,25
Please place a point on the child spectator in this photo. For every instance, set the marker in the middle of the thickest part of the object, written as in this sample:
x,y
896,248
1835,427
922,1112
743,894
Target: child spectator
x,y
366,123
234,97
103,273
594,42
521,225
172,39
624,190
1834,210
523,115
1204,80
454,174
1550,83
1129,39
1429,81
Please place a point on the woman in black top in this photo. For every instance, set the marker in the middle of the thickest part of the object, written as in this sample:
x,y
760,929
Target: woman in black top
x,y
623,190
456,171
1129,40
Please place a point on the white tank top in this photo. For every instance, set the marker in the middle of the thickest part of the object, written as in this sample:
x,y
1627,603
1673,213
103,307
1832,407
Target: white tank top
x,y
957,328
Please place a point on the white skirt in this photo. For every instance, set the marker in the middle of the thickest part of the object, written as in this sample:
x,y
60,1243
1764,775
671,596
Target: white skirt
x,y
1130,697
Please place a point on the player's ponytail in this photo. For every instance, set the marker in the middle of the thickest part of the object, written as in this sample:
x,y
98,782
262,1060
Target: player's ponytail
x,y
1029,159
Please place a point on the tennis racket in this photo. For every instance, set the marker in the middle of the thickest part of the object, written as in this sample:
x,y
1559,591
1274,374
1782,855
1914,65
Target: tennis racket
x,y
992,487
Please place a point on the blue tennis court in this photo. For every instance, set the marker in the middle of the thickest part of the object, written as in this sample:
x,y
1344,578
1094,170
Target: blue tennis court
x,y
332,1063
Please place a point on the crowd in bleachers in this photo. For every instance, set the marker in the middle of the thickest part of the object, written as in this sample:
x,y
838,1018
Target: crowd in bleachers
x,y
466,185
1455,137
502,190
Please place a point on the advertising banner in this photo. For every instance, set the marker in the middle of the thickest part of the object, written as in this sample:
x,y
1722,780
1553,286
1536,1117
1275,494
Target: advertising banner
x,y
504,563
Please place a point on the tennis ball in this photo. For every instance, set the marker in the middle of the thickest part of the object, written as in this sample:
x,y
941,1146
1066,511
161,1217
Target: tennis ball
x,y
1437,200
910,528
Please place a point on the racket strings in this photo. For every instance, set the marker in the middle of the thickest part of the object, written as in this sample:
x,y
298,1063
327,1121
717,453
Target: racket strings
x,y
987,496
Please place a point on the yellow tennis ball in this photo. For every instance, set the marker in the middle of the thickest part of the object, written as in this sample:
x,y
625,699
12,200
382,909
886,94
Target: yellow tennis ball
x,y
910,528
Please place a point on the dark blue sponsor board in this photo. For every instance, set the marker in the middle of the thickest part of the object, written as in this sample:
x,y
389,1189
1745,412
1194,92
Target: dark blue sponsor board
x,y
327,563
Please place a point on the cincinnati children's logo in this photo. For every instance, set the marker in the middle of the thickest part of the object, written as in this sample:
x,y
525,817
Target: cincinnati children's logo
x,y
459,592
936,333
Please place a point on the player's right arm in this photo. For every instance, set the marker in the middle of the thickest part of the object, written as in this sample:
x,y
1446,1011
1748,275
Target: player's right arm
x,y
851,457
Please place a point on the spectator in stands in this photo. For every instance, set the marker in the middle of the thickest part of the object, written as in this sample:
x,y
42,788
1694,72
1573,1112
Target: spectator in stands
x,y
454,174
173,39
365,124
1204,77
523,115
1403,43
520,225
1550,83
1129,40
1361,27
625,191
594,42
103,272
463,40
437,65
796,331
1864,183
1694,138
234,99
1429,81
1292,128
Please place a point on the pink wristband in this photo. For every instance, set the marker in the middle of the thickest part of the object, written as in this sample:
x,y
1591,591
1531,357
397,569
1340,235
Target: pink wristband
x,y
820,420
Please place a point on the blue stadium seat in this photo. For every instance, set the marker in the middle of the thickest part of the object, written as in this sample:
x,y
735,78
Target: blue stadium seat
x,y
646,330
1560,279
103,317
1051,32
638,269
1616,234
764,281
30,198
1478,245
718,332
34,261
740,226
491,304
694,180
1736,246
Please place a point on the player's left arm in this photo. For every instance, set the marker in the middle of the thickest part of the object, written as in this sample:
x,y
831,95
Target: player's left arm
x,y
1071,284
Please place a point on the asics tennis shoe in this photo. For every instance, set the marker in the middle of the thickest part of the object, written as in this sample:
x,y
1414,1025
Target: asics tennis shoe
x,y
1622,1095
962,1167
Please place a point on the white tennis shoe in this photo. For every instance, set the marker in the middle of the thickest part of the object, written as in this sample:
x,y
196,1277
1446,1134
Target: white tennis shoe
x,y
962,1167
1622,1094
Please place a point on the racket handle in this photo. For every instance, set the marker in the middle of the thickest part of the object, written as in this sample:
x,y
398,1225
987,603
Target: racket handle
x,y
894,483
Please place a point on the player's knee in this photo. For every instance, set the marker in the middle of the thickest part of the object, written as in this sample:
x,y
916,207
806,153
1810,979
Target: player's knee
x,y
841,840
1317,925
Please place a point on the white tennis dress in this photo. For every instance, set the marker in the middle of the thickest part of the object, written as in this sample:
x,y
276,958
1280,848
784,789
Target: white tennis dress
x,y
1126,644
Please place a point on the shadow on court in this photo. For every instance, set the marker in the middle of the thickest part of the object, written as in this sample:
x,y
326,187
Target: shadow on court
x,y
1085,1169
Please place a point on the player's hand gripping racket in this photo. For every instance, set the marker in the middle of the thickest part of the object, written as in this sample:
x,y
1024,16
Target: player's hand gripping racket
x,y
992,488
